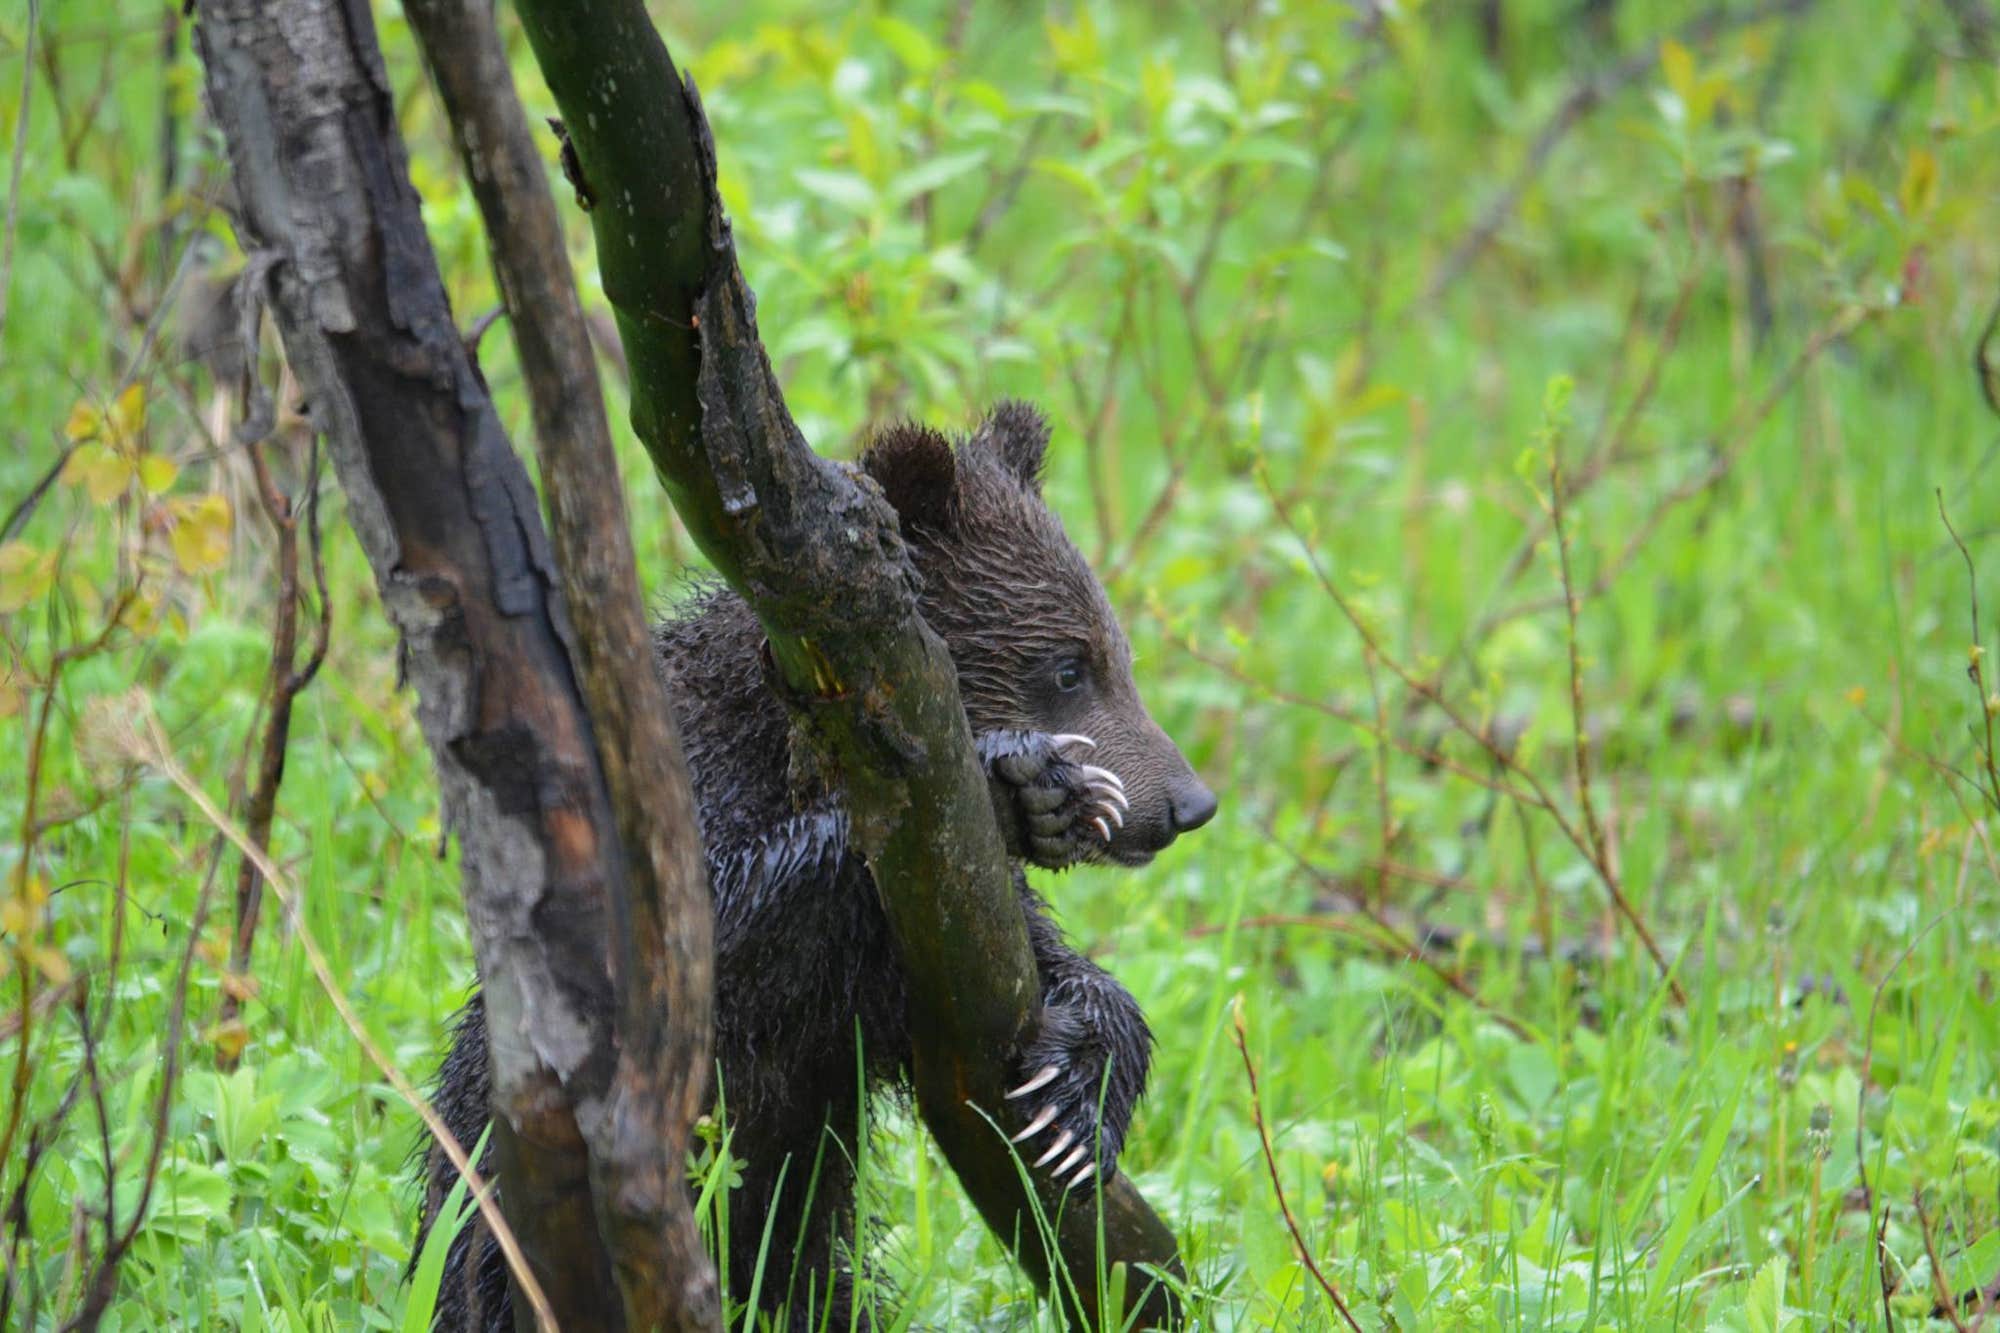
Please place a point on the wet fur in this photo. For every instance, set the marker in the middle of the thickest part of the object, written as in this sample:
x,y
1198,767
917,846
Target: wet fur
x,y
804,960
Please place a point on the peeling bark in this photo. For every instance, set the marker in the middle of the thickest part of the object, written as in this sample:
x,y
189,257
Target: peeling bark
x,y
570,895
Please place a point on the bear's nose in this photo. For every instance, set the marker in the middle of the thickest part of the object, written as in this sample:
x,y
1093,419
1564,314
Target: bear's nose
x,y
1192,807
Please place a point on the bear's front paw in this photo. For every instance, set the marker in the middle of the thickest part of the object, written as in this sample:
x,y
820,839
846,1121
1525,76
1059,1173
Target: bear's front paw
x,y
1053,810
1065,1088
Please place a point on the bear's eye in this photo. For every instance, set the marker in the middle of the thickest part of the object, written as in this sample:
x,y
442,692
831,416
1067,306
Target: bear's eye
x,y
1069,675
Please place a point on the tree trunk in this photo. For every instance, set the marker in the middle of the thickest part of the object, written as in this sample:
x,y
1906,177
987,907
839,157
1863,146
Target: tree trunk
x,y
581,860
818,557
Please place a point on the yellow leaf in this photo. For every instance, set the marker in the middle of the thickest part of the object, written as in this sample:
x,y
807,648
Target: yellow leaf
x,y
102,471
1677,63
201,534
83,424
1919,188
229,1038
14,917
10,699
25,574
141,613
52,964
88,602
156,473
128,414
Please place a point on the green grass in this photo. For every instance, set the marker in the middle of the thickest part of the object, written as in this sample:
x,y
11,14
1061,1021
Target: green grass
x,y
1785,750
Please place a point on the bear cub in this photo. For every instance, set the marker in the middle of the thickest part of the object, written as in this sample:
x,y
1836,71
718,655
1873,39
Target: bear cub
x,y
805,970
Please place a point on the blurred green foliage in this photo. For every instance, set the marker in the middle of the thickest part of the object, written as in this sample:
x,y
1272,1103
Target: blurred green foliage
x,y
1316,295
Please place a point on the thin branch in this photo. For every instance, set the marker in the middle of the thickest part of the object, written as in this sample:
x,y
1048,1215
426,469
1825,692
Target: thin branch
x,y
1404,945
1946,1305
1579,734
20,156
1271,1164
281,688
1975,669
1502,758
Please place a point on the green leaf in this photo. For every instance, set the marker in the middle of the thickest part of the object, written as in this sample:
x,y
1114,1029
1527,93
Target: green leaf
x,y
1764,1304
428,1275
914,49
933,173
1687,1210
842,189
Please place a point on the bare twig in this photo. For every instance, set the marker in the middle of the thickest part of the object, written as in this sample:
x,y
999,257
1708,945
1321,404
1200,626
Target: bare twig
x,y
100,1285
1579,733
20,156
1503,759
1975,669
282,684
1409,947
1985,367
1736,438
26,840
1946,1305
1001,198
1861,1120
1277,1184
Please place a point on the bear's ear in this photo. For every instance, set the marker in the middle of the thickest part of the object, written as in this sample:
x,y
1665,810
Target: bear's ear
x,y
914,466
1018,435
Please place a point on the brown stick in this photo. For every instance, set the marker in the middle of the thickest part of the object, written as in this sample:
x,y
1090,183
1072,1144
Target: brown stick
x,y
281,687
1501,757
1299,1245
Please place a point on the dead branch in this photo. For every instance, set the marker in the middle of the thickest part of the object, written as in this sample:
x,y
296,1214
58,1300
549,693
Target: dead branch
x,y
1975,670
1299,1245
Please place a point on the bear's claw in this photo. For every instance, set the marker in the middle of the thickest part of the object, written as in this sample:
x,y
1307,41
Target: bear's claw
x,y
1053,810
1042,1079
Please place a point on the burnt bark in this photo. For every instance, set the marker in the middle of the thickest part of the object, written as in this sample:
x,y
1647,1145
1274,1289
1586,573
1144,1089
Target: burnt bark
x,y
817,555
579,853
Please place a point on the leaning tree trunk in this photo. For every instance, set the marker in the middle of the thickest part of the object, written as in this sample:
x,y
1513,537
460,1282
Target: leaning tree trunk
x,y
818,558
557,763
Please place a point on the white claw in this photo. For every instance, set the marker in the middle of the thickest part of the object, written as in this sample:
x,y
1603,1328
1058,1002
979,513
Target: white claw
x,y
1083,1173
1110,794
1103,829
1076,1155
1072,738
1112,813
1092,773
1063,1141
1040,1123
1045,1076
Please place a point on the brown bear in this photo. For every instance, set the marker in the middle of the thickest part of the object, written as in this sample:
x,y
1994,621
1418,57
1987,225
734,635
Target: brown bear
x,y
810,998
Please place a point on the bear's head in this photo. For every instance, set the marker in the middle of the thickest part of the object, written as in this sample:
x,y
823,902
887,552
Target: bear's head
x,y
1029,627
